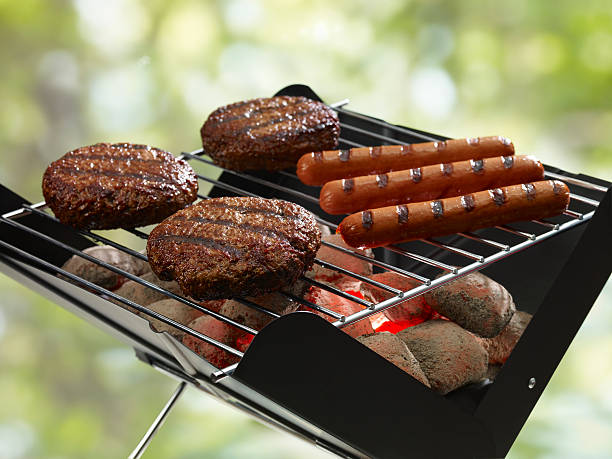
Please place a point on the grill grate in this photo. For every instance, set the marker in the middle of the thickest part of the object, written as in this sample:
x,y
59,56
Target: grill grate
x,y
476,261
430,262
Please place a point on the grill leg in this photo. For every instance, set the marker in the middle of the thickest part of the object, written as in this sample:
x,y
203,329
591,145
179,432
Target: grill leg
x,y
159,420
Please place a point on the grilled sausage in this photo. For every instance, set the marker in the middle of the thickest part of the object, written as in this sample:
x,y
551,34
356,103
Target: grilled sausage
x,y
405,222
427,183
320,167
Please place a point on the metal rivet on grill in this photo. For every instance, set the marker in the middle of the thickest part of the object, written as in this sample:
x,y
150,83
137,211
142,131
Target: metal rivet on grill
x,y
532,383
416,174
508,161
473,141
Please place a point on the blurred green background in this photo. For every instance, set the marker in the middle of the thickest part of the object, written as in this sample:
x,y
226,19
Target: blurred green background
x,y
80,72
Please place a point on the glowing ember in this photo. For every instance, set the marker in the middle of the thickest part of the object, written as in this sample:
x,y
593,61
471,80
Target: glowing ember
x,y
243,342
354,293
388,326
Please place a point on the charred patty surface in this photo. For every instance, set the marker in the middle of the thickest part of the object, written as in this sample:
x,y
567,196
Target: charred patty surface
x,y
227,247
118,185
269,133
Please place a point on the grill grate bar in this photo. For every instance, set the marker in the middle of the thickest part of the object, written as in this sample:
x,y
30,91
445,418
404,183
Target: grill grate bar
x,y
17,213
337,291
351,143
489,242
315,306
584,200
95,236
128,275
103,291
508,229
140,234
367,280
386,125
576,215
237,190
456,250
372,134
554,226
578,182
423,259
375,262
258,180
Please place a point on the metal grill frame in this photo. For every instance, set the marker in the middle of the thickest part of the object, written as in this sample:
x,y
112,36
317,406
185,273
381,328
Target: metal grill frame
x,y
351,134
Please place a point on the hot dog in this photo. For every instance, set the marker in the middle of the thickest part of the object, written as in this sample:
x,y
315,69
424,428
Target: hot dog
x,y
406,222
320,167
427,183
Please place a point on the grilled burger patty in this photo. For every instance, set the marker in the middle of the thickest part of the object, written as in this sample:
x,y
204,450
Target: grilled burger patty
x,y
119,185
226,247
269,133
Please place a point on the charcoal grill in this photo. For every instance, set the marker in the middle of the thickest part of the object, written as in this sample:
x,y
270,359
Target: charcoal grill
x,y
554,268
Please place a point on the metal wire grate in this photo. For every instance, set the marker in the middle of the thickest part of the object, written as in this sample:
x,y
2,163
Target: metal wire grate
x,y
493,246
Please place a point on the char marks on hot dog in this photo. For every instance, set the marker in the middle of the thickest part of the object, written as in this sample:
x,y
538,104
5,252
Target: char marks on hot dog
x,y
405,222
427,183
319,167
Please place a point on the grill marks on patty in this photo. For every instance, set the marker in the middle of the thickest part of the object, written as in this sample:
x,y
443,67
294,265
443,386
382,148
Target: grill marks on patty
x,y
269,133
254,111
110,173
225,247
106,186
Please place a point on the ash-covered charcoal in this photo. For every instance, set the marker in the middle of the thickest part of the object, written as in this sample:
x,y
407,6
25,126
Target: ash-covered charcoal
x,y
241,313
101,276
341,306
411,312
395,351
234,246
476,302
492,371
269,133
449,356
118,185
174,310
500,347
215,329
340,259
144,295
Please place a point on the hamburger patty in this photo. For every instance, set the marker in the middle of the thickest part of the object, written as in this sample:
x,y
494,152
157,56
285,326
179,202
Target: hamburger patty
x,y
226,247
119,185
269,133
